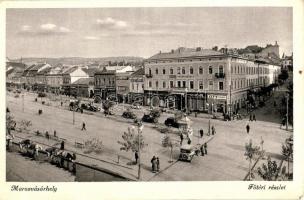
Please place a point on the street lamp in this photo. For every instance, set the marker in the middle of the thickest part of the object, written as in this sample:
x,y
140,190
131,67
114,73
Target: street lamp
x,y
140,127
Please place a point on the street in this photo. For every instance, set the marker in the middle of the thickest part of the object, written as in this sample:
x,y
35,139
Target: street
x,y
225,159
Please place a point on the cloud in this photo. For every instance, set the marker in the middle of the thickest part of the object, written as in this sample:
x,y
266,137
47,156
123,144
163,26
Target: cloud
x,y
91,38
151,33
43,29
110,23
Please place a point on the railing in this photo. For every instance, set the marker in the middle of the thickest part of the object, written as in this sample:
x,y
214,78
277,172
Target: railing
x,y
220,75
149,75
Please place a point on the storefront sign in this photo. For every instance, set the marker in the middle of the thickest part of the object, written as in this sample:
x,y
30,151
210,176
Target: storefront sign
x,y
221,97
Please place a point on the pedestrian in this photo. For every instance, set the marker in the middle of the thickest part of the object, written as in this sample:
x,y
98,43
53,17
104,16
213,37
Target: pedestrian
x,y
62,145
61,103
202,150
205,148
250,117
153,162
274,103
55,133
157,164
136,157
213,130
181,138
83,126
253,117
283,122
247,128
47,135
201,132
189,141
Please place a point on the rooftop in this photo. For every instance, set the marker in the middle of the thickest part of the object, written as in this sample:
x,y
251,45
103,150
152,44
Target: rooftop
x,y
84,81
186,52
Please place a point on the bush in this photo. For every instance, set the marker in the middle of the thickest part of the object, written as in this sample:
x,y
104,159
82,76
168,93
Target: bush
x,y
93,145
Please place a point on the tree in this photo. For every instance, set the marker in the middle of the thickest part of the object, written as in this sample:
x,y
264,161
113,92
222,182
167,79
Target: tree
x,y
270,171
167,141
132,141
25,125
251,152
287,152
107,105
284,75
10,123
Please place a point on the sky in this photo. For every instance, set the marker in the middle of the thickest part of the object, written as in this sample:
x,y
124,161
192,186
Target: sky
x,y
104,32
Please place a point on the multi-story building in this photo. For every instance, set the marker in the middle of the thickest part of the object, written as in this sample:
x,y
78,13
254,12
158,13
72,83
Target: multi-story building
x,y
31,72
123,86
202,79
287,62
137,82
83,87
70,76
104,84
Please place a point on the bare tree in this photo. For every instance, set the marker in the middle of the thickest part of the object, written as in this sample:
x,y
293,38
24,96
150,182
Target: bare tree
x,y
251,152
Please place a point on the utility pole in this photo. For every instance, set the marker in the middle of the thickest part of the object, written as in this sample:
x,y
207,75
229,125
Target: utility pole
x,y
287,97
23,102
140,128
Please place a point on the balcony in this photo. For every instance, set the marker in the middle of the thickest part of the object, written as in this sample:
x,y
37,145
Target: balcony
x,y
149,75
219,75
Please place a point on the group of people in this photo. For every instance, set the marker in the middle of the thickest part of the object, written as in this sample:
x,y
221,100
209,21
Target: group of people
x,y
155,164
203,149
252,117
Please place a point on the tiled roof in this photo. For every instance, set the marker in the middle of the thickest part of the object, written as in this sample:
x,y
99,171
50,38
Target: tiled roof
x,y
44,71
70,70
139,72
37,67
186,53
84,81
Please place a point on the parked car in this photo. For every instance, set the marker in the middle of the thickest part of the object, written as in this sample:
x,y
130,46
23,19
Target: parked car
x,y
129,114
171,121
149,118
186,153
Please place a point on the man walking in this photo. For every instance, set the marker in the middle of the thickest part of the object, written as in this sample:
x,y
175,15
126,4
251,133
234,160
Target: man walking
x,y
213,130
201,133
253,117
62,145
181,138
157,164
205,148
250,117
202,150
136,157
83,126
248,128
153,162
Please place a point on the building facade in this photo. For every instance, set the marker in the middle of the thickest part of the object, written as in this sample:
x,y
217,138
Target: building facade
x,y
201,79
104,84
137,87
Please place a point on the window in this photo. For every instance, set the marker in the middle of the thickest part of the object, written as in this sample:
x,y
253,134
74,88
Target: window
x,y
210,85
171,84
183,70
191,85
178,70
156,71
201,71
164,71
221,69
201,85
238,69
178,84
150,84
150,71
184,84
136,86
210,69
231,70
191,70
221,86
132,86
156,84
164,84
171,71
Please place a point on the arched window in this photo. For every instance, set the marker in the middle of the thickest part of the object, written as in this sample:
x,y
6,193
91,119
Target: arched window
x,y
201,71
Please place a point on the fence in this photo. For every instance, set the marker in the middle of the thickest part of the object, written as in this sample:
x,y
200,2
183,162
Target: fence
x,y
82,171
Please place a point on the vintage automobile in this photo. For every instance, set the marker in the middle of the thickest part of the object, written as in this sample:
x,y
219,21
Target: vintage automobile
x,y
187,152
171,121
